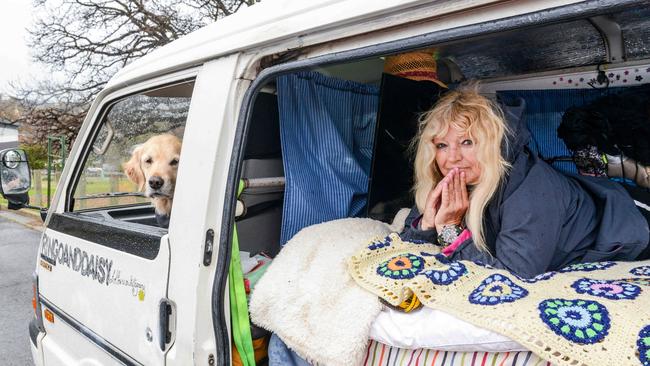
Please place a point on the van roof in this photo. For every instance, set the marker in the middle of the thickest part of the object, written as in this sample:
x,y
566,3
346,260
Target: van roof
x,y
271,22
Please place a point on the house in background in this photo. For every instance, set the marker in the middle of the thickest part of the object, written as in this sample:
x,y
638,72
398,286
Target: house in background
x,y
8,135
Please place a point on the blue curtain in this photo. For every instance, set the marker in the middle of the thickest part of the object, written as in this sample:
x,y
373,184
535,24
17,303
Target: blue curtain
x,y
544,110
327,130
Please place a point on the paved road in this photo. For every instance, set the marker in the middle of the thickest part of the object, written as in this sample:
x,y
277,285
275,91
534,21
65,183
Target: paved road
x,y
18,246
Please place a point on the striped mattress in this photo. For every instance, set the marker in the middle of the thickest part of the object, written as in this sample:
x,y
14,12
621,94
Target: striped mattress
x,y
379,354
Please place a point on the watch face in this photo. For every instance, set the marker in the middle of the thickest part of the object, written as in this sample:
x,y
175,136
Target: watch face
x,y
448,234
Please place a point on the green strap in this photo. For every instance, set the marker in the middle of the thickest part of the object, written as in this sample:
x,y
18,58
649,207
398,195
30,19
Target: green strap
x,y
241,327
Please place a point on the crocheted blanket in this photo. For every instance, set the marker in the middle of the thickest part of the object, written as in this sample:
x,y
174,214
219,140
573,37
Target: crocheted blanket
x,y
584,314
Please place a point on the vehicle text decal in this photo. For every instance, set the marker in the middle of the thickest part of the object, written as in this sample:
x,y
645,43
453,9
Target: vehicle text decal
x,y
54,251
100,269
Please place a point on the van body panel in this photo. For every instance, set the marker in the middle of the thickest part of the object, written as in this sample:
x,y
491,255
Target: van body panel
x,y
198,206
57,352
110,287
37,349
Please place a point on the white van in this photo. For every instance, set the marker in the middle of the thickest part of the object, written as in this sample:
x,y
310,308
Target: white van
x,y
112,287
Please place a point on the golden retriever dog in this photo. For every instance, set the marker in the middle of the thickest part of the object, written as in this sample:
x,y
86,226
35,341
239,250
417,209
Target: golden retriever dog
x,y
153,166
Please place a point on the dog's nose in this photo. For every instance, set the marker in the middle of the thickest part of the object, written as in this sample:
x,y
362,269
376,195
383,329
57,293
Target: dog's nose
x,y
156,182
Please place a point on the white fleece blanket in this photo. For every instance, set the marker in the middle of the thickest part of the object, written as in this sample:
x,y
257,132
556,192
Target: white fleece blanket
x,y
308,298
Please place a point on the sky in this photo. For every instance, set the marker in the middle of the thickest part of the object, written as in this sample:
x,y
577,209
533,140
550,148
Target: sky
x,y
15,60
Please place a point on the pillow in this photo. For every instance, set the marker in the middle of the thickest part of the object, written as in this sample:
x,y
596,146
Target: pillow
x,y
435,329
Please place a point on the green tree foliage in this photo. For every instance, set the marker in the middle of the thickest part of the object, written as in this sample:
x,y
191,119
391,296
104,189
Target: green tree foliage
x,y
36,155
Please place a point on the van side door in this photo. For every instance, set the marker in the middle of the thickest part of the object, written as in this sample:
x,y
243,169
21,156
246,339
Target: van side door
x,y
104,259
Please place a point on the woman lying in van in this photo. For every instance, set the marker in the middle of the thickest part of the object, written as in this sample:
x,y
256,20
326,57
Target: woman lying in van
x,y
483,196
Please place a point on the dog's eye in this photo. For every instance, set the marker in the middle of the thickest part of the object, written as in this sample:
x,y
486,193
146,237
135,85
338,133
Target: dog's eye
x,y
149,161
174,162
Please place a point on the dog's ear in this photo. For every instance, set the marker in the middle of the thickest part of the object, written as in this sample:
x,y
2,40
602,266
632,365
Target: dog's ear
x,y
133,169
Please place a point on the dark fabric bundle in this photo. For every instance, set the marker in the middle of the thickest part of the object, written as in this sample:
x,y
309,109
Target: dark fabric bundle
x,y
582,127
614,123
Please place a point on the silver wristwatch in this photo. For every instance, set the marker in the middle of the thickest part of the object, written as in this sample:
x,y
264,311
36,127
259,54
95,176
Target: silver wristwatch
x,y
448,234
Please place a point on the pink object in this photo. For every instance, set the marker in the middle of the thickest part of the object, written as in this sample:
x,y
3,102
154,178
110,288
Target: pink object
x,y
466,234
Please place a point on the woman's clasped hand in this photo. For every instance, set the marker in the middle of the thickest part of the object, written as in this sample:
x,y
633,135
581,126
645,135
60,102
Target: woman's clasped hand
x,y
447,202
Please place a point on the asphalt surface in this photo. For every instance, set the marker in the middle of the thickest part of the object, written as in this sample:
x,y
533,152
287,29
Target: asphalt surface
x,y
18,247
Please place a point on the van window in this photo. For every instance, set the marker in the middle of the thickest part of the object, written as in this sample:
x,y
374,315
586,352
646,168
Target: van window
x,y
127,124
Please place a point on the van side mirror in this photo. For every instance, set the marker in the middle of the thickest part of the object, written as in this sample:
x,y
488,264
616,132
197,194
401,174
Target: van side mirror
x,y
15,178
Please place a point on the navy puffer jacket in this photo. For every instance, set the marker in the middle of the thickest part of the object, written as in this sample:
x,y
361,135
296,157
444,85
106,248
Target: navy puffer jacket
x,y
542,220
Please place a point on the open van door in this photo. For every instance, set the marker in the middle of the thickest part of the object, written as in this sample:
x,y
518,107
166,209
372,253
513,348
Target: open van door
x,y
104,260
128,288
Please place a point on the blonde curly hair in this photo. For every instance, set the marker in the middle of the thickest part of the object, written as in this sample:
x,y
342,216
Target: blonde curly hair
x,y
469,112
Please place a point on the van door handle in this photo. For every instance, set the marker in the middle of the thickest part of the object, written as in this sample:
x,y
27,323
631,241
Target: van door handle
x,y
165,322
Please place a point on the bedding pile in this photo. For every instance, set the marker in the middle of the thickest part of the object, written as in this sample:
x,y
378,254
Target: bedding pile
x,y
584,314
308,298
311,302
